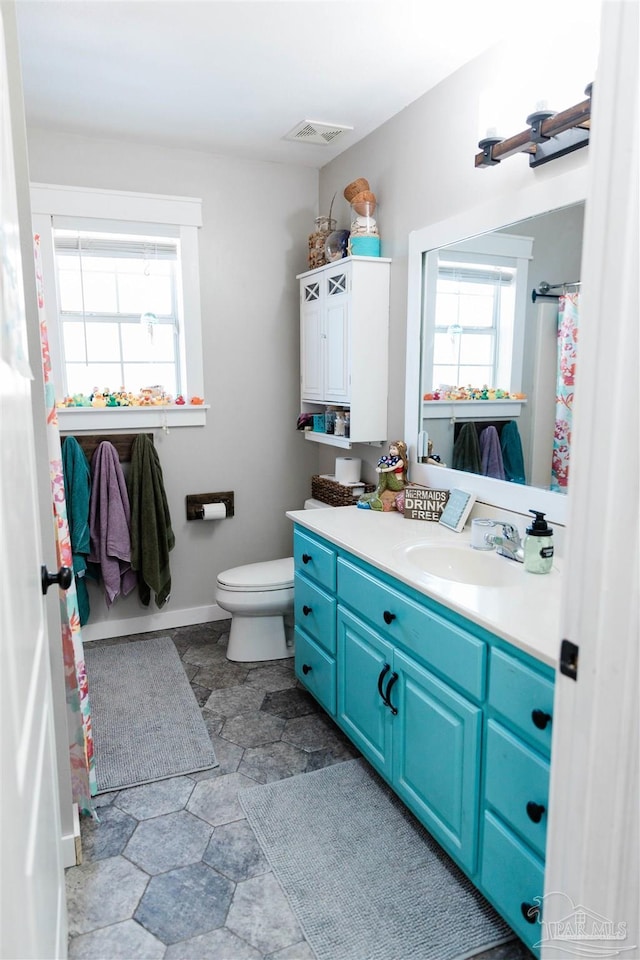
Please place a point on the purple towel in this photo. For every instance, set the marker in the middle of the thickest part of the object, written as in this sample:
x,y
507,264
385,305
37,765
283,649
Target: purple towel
x,y
491,454
109,523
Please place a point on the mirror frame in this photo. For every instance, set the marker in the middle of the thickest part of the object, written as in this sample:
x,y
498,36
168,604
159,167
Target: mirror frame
x,y
550,193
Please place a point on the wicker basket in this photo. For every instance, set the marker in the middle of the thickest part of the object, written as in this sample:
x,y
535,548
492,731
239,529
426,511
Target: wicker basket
x,y
334,493
357,186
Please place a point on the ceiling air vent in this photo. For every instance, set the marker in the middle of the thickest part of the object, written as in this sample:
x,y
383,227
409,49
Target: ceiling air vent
x,y
312,131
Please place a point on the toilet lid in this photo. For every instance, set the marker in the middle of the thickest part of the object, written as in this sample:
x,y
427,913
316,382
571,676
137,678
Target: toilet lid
x,y
269,575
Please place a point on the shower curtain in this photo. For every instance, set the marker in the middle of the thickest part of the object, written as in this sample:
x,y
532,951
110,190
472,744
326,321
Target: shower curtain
x,y
567,341
83,780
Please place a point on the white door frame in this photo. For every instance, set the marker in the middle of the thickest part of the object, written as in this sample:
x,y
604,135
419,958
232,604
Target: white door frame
x,y
592,857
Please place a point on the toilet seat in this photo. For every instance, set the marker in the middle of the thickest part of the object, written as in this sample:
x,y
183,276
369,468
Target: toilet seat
x,y
258,577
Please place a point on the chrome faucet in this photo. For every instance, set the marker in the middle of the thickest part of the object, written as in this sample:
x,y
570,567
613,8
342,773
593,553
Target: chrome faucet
x,y
509,544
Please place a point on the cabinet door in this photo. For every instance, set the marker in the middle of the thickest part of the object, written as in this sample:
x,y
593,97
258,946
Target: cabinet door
x,y
311,341
364,661
436,757
338,336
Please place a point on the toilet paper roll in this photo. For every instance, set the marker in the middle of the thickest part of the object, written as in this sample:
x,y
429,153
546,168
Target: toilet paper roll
x,y
348,469
214,511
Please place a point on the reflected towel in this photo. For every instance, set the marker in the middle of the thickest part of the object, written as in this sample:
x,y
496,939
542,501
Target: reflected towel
x,y
77,489
512,457
109,522
491,454
466,450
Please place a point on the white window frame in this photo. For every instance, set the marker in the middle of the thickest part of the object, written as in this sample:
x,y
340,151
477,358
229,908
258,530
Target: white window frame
x,y
108,208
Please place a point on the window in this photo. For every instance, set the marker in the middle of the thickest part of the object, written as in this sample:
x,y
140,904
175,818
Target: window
x,y
121,289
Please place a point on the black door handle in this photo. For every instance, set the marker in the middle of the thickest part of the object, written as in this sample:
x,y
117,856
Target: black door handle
x,y
383,673
306,557
388,617
306,668
387,697
535,811
63,578
530,912
540,719
306,610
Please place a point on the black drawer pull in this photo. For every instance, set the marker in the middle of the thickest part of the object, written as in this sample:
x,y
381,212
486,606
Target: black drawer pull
x,y
383,673
540,719
535,811
306,668
306,557
530,912
306,610
387,696
388,617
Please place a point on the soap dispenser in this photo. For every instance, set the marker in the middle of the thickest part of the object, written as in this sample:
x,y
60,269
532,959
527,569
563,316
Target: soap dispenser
x,y
538,545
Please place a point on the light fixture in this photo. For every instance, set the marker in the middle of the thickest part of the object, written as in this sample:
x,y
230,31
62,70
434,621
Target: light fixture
x,y
548,135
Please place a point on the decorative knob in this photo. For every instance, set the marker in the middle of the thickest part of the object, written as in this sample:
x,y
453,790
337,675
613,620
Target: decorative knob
x,y
306,610
306,668
540,719
63,578
530,912
306,557
388,617
535,811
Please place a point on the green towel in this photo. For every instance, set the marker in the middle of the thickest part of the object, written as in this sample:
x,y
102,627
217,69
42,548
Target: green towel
x,y
512,457
466,450
77,489
151,534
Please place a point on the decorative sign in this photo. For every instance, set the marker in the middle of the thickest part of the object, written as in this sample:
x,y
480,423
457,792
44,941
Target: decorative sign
x,y
457,510
424,503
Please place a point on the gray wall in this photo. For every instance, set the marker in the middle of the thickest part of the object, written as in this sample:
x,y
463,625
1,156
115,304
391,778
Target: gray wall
x,y
420,165
256,219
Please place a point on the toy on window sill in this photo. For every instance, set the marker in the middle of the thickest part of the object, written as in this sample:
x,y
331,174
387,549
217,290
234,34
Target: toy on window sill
x,y
392,478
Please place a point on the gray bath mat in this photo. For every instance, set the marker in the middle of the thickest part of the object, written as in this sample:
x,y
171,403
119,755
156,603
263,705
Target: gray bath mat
x,y
364,879
146,721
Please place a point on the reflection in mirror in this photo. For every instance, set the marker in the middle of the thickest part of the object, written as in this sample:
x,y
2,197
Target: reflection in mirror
x,y
492,355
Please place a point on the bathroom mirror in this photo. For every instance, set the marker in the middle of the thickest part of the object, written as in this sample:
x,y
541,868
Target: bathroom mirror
x,y
528,237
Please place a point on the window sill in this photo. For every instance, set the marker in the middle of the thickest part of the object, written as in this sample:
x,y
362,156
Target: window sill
x,y
471,409
95,419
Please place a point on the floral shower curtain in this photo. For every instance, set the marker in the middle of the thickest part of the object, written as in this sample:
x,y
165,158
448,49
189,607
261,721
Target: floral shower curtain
x,y
567,341
83,781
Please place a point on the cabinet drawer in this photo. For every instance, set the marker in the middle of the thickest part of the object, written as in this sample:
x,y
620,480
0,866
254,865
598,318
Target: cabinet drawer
x,y
523,697
316,670
315,559
445,648
517,785
315,612
512,877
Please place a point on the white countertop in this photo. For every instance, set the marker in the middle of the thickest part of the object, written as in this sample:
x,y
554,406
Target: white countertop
x,y
526,613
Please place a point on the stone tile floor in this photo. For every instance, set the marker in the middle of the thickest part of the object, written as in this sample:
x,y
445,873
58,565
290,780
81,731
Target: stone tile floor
x,y
172,869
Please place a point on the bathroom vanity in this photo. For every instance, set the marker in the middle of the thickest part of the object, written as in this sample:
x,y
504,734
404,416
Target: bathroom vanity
x,y
444,683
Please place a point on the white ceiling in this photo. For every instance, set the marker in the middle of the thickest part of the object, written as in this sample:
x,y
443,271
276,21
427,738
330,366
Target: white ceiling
x,y
234,76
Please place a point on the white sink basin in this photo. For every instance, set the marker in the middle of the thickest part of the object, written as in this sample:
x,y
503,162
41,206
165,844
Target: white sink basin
x,y
461,564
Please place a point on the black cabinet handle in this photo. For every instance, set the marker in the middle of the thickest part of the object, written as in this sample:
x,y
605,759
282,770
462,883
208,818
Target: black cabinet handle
x,y
63,578
530,912
306,668
387,696
388,617
306,610
540,719
306,557
535,811
383,673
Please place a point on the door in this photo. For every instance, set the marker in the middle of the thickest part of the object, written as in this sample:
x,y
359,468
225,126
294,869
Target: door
x,y
436,757
33,922
311,341
364,674
338,336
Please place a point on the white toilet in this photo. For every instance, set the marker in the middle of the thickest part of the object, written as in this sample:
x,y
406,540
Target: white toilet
x,y
259,597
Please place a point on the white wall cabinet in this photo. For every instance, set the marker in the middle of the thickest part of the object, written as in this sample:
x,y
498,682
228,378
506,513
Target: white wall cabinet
x,y
344,345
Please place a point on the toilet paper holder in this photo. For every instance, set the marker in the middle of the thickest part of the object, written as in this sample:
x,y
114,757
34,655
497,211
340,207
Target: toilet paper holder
x,y
195,503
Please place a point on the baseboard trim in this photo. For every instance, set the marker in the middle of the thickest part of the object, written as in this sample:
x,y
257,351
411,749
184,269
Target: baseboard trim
x,y
70,844
103,629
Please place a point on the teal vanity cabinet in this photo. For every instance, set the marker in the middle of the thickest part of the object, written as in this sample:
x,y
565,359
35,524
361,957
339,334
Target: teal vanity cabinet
x,y
456,720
